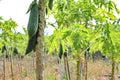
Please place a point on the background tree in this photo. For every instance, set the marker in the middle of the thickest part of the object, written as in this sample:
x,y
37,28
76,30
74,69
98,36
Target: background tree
x,y
82,22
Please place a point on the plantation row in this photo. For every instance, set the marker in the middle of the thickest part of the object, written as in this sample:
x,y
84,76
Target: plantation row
x,y
82,27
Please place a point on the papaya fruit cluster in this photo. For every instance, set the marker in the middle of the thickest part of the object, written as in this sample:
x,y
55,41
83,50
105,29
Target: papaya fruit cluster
x,y
32,26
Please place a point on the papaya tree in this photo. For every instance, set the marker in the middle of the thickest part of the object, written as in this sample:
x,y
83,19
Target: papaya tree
x,y
7,31
35,29
78,19
110,44
108,26
75,15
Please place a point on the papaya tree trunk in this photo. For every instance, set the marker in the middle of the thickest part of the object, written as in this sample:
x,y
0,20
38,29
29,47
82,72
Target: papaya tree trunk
x,y
117,67
68,68
11,64
78,70
113,69
66,64
40,42
81,70
65,68
86,65
4,59
60,70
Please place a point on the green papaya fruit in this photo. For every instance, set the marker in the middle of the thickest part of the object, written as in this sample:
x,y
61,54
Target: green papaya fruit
x,y
31,44
15,51
33,20
60,51
65,53
4,49
50,4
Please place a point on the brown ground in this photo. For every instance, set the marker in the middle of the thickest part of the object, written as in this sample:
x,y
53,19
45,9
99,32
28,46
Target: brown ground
x,y
25,70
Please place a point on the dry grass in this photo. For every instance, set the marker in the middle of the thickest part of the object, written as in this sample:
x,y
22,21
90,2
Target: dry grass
x,y
25,70
97,70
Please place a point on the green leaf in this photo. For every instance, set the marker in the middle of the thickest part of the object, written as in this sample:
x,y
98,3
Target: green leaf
x,y
1,18
66,34
112,16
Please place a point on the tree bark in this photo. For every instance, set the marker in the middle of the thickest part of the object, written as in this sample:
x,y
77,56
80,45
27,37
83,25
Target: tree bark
x,y
113,69
78,70
81,70
11,64
4,59
86,65
66,64
40,42
65,68
68,68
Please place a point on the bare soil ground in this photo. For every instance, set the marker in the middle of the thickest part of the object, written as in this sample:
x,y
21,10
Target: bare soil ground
x,y
25,70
